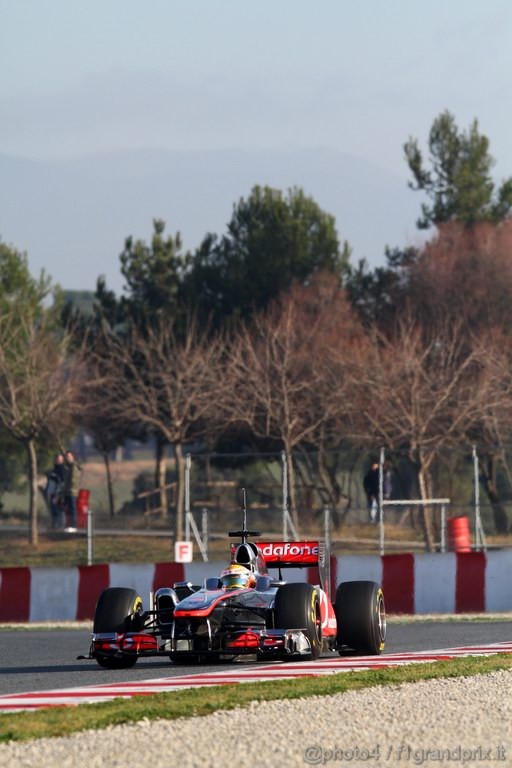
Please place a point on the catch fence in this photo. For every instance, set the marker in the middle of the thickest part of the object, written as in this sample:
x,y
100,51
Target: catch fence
x,y
329,497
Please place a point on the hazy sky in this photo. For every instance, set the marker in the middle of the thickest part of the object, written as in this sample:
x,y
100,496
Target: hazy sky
x,y
359,77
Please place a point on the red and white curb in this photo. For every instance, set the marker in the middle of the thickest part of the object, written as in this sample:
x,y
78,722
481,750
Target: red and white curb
x,y
251,674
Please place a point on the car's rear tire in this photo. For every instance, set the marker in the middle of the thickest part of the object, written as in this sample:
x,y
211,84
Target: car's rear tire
x,y
297,606
361,617
118,609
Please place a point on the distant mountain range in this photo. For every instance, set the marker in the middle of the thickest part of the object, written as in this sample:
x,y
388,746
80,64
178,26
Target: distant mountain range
x,y
72,216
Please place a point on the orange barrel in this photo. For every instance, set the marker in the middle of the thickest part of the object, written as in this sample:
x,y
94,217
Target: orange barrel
x,y
82,507
459,537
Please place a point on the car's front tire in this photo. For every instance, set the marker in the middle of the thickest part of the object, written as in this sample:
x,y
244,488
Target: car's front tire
x,y
297,606
118,609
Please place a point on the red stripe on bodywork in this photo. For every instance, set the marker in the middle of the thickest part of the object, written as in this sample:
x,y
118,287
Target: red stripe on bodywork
x,y
92,580
398,583
167,574
15,594
470,582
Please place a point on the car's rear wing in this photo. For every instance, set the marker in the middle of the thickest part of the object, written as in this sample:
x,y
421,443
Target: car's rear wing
x,y
292,554
298,554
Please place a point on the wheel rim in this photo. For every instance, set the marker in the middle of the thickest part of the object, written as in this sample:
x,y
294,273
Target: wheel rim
x,y
381,617
318,622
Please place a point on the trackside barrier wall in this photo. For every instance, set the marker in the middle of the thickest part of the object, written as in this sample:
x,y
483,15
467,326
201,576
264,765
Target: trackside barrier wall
x,y
423,583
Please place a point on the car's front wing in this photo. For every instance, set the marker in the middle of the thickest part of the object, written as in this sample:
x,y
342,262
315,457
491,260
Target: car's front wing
x,y
283,642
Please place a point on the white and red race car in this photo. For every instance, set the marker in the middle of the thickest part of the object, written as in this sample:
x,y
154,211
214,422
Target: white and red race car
x,y
245,610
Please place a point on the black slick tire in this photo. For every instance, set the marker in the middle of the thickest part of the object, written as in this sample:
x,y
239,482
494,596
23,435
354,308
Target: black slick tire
x,y
118,610
297,606
361,617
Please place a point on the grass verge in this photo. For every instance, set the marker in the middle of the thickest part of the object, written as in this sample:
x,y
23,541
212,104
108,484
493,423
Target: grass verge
x,y
61,721
61,550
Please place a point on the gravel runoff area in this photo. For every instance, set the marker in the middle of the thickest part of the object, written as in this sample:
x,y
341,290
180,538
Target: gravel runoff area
x,y
464,721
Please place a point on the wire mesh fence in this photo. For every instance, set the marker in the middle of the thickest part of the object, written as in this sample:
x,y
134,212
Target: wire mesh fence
x,y
141,526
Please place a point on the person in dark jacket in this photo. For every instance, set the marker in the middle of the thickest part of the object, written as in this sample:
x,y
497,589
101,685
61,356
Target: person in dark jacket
x,y
71,488
371,488
54,491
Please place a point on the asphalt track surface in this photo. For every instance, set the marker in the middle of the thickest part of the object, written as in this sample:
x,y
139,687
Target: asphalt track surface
x,y
40,660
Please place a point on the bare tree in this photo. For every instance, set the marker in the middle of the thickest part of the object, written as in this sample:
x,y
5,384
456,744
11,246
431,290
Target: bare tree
x,y
423,389
101,421
339,342
278,376
466,274
163,380
494,425
38,385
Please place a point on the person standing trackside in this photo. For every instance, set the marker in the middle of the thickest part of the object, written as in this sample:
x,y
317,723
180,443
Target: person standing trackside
x,y
71,488
54,491
371,488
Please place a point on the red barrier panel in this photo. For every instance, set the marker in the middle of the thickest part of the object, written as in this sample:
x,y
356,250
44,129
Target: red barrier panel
x,y
398,583
15,594
470,582
166,574
92,579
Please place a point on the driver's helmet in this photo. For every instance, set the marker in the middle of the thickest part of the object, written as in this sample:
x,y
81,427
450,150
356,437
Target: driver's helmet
x,y
235,576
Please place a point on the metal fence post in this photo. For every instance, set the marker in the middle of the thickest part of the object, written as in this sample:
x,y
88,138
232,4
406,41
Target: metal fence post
x,y
284,475
480,541
327,528
188,463
204,526
476,488
381,499
90,552
443,528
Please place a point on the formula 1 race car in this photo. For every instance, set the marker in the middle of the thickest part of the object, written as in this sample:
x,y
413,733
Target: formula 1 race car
x,y
244,611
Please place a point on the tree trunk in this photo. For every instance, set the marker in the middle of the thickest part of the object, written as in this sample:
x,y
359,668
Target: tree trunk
x,y
488,472
331,485
110,486
428,523
161,475
180,491
32,479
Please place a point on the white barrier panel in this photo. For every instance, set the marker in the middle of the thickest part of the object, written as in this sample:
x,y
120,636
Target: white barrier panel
x,y
53,594
498,581
137,577
196,573
359,568
434,583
